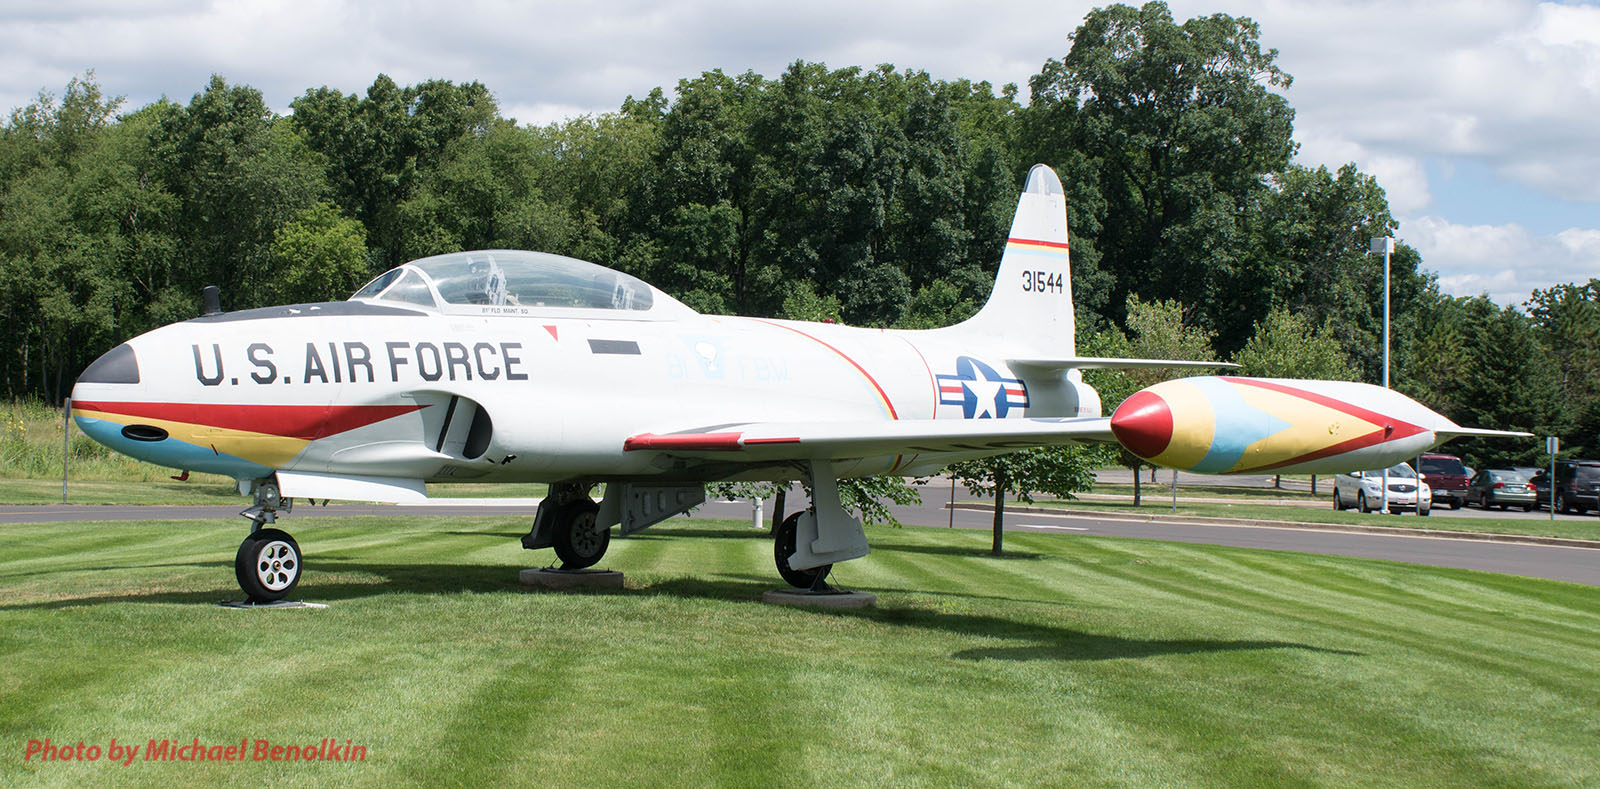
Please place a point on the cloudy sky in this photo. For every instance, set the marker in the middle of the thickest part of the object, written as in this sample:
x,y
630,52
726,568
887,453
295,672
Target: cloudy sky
x,y
1479,118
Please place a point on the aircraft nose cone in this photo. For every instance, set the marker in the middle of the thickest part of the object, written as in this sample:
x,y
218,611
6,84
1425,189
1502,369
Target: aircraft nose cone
x,y
117,366
1143,424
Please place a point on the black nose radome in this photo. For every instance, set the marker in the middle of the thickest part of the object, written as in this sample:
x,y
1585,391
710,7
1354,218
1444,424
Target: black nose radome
x,y
117,366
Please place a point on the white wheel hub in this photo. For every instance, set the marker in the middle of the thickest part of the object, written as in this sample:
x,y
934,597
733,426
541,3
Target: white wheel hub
x,y
277,565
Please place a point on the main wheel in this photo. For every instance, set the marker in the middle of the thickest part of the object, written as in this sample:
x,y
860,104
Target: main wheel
x,y
577,542
268,565
783,546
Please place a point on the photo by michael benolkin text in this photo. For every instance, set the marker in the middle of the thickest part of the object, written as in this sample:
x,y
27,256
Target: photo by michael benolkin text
x,y
327,749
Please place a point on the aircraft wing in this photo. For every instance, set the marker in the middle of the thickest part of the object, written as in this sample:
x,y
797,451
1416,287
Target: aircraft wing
x,y
762,441
1101,363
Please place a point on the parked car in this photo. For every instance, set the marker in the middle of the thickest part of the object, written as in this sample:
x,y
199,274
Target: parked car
x,y
1500,487
1447,477
1364,490
1577,486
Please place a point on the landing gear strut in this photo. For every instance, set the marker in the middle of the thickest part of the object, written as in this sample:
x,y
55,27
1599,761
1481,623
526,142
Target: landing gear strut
x,y
268,564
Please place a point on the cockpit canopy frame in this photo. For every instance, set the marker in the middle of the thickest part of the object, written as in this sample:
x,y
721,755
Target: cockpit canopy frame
x,y
519,282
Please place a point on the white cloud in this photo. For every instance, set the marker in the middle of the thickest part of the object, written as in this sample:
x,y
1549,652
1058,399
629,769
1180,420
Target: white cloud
x,y
1504,261
1402,89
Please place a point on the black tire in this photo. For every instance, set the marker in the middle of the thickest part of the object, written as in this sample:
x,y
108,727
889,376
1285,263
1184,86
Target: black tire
x,y
1361,502
1338,503
1527,508
783,545
577,542
1455,504
1561,504
268,565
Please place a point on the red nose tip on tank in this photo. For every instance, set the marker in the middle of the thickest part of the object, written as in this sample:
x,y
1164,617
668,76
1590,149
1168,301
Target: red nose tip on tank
x,y
1143,424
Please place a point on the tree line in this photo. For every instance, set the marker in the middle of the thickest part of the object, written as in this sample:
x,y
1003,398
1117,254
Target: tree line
x,y
874,196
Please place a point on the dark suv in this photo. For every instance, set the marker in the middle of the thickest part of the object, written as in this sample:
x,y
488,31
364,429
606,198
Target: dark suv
x,y
1447,477
1577,485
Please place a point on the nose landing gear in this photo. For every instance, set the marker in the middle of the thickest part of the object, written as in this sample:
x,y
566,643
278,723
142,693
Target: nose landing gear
x,y
268,564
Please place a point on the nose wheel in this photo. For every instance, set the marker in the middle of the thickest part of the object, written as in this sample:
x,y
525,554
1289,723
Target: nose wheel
x,y
268,565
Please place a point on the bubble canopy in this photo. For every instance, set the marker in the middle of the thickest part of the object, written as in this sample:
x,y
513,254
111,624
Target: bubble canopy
x,y
513,282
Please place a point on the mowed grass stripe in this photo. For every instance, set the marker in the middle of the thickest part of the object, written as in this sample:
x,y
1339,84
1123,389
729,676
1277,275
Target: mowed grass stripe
x,y
1090,660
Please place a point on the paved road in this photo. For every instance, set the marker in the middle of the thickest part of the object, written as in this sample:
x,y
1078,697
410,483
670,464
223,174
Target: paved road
x,y
1578,565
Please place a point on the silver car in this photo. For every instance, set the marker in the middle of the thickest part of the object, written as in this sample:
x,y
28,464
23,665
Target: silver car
x,y
1364,490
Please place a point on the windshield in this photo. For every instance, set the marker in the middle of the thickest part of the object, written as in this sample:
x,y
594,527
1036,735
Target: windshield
x,y
532,279
1443,466
509,281
1397,470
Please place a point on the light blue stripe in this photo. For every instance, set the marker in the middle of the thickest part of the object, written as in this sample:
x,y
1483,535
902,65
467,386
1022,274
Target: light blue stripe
x,y
1238,425
170,452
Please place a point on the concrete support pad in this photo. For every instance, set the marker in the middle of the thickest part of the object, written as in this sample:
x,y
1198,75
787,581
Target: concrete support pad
x,y
587,578
249,606
826,600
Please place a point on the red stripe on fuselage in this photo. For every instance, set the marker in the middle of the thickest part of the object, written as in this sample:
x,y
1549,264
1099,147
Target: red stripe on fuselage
x,y
307,422
1400,427
842,355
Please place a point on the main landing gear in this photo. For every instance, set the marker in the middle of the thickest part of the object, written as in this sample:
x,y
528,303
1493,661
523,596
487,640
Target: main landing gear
x,y
568,521
783,546
268,563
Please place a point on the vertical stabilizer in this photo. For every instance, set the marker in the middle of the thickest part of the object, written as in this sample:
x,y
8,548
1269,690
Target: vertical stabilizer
x,y
1031,304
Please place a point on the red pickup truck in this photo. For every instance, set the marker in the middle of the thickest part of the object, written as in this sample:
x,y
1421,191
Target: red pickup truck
x,y
1448,478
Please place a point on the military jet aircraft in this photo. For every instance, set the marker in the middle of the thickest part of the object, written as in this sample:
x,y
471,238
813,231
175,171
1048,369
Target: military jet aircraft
x,y
515,366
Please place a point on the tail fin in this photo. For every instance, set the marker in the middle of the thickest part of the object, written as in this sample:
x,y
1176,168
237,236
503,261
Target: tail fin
x,y
1031,304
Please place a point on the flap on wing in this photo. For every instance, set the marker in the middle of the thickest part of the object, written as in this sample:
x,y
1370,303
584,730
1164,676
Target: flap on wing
x,y
822,440
389,490
1099,363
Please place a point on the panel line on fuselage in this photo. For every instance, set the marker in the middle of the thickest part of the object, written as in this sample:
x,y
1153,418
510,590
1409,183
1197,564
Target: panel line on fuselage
x,y
882,395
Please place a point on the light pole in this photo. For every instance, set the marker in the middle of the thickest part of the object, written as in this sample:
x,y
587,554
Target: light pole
x,y
1385,245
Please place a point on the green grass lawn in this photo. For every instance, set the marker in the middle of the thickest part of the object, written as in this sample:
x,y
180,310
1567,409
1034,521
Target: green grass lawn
x,y
1074,661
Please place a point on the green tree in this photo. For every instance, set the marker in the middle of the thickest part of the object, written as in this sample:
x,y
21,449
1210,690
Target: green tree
x,y
238,177
1512,383
1156,330
1060,471
1566,320
1286,345
1176,128
320,255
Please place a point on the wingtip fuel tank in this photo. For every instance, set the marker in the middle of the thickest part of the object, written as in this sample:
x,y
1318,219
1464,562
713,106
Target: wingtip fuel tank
x,y
1233,425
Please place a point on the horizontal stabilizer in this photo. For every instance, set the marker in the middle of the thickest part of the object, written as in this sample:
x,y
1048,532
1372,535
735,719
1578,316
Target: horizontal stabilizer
x,y
1099,363
1457,432
838,440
